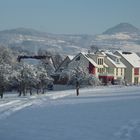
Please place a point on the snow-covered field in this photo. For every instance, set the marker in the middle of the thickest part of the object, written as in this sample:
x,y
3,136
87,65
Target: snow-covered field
x,y
101,113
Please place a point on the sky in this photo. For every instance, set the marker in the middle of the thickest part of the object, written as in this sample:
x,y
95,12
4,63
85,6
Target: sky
x,y
68,16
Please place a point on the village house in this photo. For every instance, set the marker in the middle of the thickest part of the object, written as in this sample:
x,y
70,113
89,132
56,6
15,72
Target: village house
x,y
102,67
132,62
115,66
98,58
92,63
63,66
107,66
103,64
83,61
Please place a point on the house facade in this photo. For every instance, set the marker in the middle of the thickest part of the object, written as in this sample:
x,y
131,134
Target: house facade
x,y
132,62
98,58
83,61
92,63
102,67
115,66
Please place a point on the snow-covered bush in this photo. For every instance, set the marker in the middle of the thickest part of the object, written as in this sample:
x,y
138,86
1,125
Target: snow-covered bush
x,y
93,80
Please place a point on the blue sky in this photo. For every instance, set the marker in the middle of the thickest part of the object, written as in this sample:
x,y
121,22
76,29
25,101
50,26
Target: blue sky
x,y
68,16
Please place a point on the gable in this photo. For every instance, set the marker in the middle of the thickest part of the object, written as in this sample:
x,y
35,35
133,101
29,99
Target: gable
x,y
132,58
64,64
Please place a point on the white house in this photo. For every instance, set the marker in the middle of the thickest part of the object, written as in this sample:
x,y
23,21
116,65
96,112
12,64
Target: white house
x,y
132,62
115,66
98,58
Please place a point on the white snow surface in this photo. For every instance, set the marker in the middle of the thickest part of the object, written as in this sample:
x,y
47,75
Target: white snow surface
x,y
98,113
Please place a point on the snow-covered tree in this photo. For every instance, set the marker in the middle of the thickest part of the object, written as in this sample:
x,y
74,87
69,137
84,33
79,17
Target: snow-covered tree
x,y
2,81
6,56
79,74
52,61
5,73
42,78
57,60
23,78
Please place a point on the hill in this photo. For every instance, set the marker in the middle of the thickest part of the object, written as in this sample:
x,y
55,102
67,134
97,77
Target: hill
x,y
24,39
123,28
122,36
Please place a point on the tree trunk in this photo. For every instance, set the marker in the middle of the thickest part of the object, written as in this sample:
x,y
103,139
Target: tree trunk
x,y
31,91
1,95
77,91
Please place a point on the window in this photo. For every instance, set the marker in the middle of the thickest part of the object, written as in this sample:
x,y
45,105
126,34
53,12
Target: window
x,y
118,60
116,71
100,61
121,71
100,70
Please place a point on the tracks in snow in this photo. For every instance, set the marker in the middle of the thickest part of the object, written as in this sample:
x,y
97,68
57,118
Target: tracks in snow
x,y
9,105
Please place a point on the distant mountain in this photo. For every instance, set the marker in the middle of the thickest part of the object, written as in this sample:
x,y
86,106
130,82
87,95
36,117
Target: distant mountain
x,y
23,31
122,28
122,36
24,39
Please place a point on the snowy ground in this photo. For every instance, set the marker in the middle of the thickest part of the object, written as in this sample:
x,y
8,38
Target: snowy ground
x,y
102,113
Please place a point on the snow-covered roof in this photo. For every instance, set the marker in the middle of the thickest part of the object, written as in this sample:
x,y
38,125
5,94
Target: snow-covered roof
x,y
112,58
116,64
112,54
131,57
89,59
64,63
